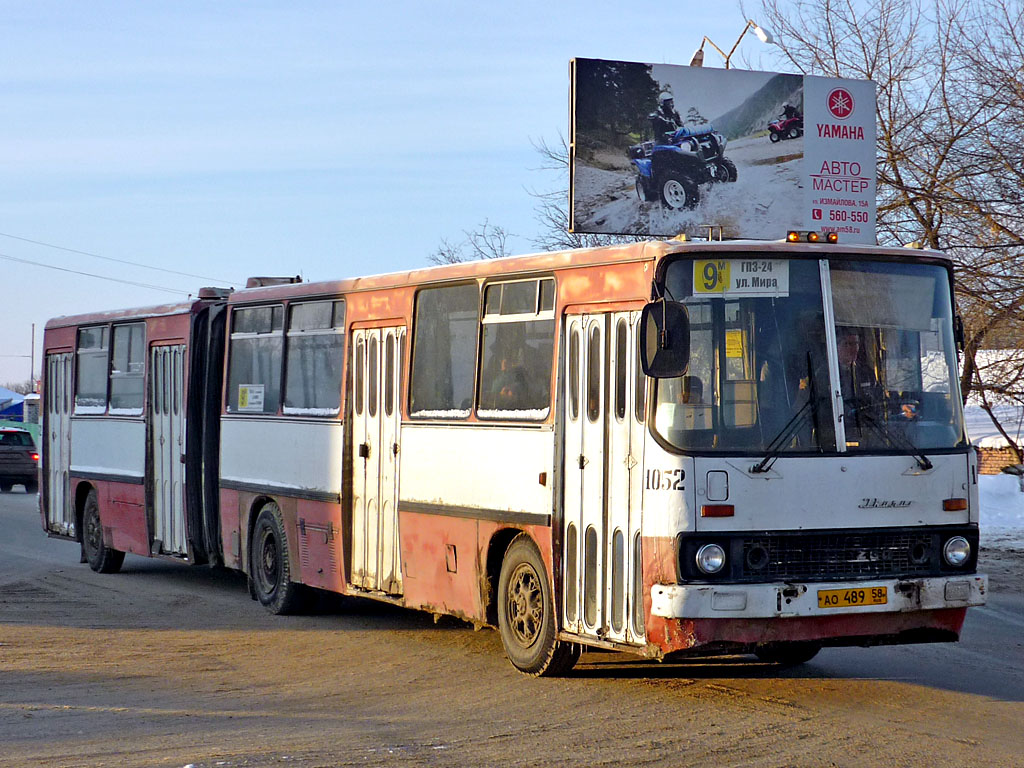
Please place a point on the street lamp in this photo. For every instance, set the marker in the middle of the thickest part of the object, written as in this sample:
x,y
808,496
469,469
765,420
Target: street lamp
x,y
762,34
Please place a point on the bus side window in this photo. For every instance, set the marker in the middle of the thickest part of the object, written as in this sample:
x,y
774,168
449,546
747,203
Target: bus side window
x,y
128,363
313,360
444,352
518,329
255,360
91,380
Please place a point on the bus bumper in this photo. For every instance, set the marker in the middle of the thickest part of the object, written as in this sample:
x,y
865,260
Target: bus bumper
x,y
763,601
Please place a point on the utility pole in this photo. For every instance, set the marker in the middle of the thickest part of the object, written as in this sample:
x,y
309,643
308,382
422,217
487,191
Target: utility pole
x,y
32,361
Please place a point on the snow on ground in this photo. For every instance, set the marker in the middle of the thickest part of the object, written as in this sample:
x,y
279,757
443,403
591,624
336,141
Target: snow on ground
x,y
766,198
1002,511
979,424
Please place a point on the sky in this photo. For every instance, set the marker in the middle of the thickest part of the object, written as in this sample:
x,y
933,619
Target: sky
x,y
327,139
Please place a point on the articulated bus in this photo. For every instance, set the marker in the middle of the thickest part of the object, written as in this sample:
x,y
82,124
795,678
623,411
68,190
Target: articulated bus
x,y
666,448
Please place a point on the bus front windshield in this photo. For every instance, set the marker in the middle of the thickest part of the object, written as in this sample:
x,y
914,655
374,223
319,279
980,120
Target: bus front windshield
x,y
760,378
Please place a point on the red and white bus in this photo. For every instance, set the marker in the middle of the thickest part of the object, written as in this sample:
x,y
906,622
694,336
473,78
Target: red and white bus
x,y
481,440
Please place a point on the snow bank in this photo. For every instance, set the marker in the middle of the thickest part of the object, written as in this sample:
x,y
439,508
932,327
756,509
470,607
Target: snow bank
x,y
1002,510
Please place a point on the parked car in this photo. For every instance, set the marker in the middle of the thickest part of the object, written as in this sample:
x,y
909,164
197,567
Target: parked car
x,y
19,460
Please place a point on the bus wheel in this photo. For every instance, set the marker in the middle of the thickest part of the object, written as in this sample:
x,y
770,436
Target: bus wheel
x,y
270,566
526,615
101,558
787,654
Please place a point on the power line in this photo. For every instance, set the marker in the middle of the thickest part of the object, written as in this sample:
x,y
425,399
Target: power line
x,y
90,274
119,261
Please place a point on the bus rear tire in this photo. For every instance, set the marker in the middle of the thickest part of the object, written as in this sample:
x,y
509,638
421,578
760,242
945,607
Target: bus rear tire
x,y
101,558
526,616
787,654
270,565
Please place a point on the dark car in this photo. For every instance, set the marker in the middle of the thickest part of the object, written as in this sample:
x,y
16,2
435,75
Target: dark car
x,y
19,460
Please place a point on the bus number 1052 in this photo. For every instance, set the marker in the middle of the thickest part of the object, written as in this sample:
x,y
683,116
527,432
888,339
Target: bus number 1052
x,y
664,479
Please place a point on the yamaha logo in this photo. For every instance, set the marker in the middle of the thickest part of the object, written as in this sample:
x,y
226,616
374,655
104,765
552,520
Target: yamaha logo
x,y
840,103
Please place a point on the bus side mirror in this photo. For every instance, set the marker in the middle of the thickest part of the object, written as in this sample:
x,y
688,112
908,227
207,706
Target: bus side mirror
x,y
664,339
958,332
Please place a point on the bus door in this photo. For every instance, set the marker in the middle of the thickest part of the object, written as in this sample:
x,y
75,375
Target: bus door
x,y
167,448
376,437
603,457
60,517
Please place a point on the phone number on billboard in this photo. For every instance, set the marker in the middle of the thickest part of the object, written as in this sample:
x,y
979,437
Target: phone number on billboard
x,y
861,216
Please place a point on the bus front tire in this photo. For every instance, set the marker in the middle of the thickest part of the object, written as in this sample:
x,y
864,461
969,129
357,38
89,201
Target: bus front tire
x,y
526,616
270,565
101,558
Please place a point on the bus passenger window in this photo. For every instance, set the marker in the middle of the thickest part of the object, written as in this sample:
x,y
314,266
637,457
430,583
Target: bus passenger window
x,y
313,362
518,345
255,358
91,382
126,369
444,352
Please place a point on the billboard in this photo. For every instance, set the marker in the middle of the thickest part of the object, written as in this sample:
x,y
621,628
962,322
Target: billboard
x,y
658,150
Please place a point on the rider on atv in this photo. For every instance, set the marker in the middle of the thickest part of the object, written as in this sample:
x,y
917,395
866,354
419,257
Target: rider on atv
x,y
665,121
789,111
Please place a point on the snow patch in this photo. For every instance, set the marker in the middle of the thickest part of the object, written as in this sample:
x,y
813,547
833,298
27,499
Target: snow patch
x,y
1002,510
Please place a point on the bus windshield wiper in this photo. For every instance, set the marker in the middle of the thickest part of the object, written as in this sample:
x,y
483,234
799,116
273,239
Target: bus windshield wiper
x,y
797,421
895,439
780,440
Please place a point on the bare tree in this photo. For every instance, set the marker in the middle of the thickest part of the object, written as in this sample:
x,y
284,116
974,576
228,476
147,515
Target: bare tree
x,y
21,387
487,241
552,209
950,119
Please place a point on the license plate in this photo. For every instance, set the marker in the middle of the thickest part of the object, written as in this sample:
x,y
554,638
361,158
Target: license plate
x,y
851,598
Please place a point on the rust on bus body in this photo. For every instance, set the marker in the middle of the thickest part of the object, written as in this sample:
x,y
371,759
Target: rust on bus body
x,y
119,315
122,513
451,565
173,329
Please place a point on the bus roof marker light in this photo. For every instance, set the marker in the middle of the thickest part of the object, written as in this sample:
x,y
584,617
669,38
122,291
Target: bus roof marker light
x,y
813,237
832,237
793,237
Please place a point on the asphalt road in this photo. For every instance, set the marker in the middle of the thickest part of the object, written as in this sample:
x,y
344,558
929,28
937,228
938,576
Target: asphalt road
x,y
166,665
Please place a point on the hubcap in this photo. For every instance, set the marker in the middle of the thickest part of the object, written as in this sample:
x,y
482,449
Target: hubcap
x,y
675,193
525,605
92,531
268,562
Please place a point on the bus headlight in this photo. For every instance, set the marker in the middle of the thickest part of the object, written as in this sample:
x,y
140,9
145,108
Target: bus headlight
x,y
711,558
956,551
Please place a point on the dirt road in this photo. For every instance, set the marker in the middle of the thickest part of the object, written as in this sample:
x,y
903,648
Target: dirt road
x,y
164,665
